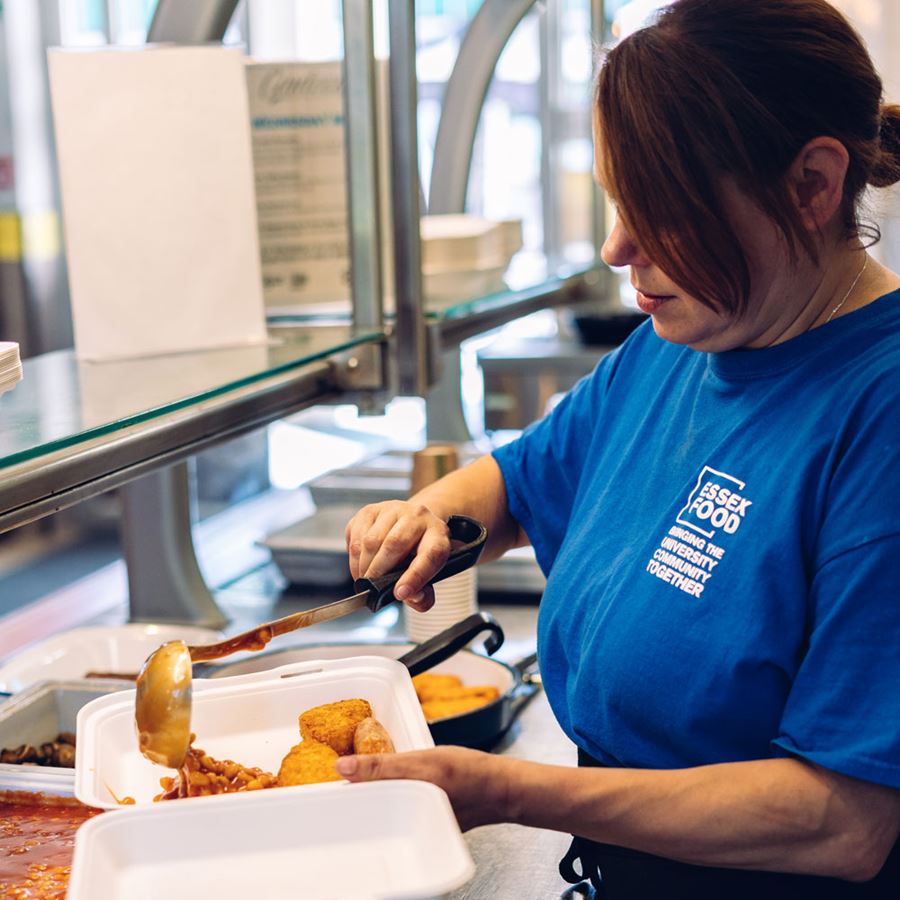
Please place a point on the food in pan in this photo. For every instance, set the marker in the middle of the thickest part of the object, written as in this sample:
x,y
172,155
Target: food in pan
x,y
59,752
37,837
309,762
432,684
346,724
441,696
335,723
455,706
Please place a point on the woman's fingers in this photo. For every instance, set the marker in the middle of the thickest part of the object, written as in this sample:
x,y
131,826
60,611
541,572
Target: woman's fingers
x,y
475,782
353,533
383,536
431,540
366,532
422,602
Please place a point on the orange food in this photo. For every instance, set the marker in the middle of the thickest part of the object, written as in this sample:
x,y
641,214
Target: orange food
x,y
429,685
335,723
453,706
309,762
445,695
202,775
328,731
372,737
37,836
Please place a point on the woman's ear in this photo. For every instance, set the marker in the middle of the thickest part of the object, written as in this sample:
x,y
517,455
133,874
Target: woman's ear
x,y
817,181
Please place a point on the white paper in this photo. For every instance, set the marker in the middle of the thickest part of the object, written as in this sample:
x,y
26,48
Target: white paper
x,y
158,203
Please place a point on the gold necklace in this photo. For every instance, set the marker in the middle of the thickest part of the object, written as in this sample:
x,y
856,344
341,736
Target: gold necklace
x,y
850,291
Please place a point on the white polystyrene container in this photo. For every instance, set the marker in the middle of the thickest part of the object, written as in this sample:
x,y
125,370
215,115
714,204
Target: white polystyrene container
x,y
386,840
74,653
252,719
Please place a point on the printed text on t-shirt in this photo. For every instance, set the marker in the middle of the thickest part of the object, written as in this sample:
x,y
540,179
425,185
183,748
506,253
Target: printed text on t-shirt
x,y
686,557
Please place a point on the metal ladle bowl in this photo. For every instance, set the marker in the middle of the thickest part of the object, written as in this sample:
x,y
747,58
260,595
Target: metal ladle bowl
x,y
162,709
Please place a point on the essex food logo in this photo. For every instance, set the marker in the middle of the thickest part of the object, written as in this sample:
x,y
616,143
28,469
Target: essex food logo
x,y
717,502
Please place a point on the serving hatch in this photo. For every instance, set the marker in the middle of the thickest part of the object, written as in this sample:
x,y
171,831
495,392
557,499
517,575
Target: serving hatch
x,y
252,719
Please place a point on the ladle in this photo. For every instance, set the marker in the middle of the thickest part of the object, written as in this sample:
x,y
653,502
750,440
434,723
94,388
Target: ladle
x,y
162,706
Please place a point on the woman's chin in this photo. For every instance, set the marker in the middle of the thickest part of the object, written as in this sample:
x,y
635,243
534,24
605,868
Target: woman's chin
x,y
689,332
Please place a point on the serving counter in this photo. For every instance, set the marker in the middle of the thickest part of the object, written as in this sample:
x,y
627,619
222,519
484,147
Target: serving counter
x,y
512,862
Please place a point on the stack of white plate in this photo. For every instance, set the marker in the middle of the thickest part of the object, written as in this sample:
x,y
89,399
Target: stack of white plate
x,y
10,366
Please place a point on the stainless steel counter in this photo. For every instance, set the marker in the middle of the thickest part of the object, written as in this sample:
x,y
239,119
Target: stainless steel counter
x,y
514,862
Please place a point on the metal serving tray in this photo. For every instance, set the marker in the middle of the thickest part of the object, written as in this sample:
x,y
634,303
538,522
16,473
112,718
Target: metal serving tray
x,y
38,714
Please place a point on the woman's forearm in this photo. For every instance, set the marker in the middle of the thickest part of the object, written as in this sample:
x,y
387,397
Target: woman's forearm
x,y
476,490
780,814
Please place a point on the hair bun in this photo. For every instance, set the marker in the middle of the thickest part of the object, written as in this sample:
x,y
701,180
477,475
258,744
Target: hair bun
x,y
886,170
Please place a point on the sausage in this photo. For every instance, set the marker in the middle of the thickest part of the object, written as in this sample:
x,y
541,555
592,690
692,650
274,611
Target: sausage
x,y
372,737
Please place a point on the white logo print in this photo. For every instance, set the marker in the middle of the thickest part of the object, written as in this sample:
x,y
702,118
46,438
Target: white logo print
x,y
685,560
715,503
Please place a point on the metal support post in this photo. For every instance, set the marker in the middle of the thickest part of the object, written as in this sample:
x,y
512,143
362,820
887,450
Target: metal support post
x,y
608,282
549,91
361,154
164,580
444,417
411,341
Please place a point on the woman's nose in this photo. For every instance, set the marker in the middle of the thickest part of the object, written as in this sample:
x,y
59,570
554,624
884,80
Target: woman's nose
x,y
621,249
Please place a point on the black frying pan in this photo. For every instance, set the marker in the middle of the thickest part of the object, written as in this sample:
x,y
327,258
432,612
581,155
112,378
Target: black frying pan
x,y
479,728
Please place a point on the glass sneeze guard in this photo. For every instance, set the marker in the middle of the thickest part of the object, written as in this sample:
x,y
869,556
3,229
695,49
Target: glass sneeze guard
x,y
510,302
512,297
63,402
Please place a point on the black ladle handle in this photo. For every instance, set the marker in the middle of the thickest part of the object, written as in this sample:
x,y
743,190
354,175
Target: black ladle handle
x,y
443,645
471,533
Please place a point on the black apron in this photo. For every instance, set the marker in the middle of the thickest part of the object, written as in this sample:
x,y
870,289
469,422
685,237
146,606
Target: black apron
x,y
617,873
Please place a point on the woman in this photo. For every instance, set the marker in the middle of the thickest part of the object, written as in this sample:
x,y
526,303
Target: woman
x,y
717,506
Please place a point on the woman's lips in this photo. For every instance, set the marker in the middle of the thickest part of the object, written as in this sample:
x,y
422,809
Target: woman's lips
x,y
650,303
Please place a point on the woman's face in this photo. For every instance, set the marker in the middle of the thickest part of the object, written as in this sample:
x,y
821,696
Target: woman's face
x,y
777,286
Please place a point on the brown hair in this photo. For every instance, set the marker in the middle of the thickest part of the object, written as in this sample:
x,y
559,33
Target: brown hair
x,y
735,88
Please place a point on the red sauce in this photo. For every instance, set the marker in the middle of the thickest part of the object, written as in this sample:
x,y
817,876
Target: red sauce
x,y
37,838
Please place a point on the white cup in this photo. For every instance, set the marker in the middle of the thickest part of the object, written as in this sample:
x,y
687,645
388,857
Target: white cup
x,y
455,598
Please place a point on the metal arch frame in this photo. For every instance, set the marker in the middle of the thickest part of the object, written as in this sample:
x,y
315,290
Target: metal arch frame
x,y
486,37
488,33
197,22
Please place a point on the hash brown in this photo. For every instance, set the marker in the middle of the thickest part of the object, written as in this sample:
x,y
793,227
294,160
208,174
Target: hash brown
x,y
335,723
309,762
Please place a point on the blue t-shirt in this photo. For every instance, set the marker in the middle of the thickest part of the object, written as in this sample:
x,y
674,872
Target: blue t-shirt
x,y
721,535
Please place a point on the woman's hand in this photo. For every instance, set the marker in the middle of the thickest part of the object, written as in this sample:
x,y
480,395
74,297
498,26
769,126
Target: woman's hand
x,y
475,782
382,536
